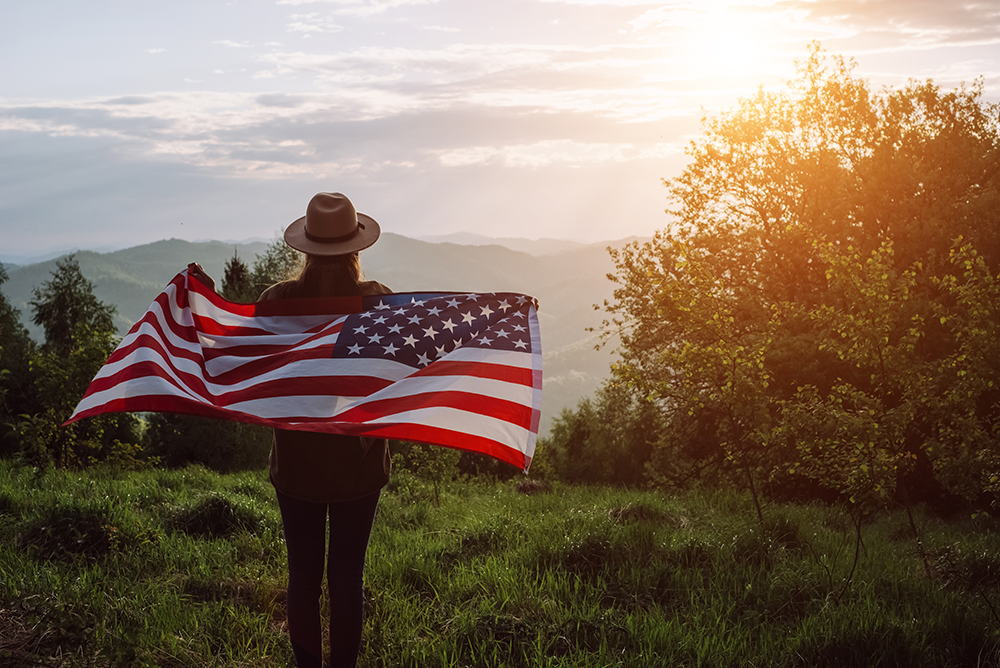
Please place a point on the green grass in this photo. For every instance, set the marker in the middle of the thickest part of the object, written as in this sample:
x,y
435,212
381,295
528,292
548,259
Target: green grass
x,y
186,568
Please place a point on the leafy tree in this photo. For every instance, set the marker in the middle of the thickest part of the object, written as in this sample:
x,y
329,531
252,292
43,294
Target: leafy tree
x,y
965,446
238,283
66,301
278,262
786,320
16,351
80,336
606,440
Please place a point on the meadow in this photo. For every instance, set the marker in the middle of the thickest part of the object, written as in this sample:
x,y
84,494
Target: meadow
x,y
186,568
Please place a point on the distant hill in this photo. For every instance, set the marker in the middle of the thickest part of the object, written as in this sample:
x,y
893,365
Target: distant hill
x,y
567,284
530,246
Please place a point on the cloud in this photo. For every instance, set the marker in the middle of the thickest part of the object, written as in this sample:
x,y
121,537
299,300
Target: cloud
x,y
233,45
156,50
313,23
361,7
563,151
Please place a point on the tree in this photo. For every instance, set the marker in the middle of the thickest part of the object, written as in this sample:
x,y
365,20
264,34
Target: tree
x,y
238,283
278,262
80,336
66,301
16,351
791,303
606,440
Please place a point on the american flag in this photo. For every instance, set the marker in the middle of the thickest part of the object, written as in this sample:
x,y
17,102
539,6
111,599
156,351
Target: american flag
x,y
462,370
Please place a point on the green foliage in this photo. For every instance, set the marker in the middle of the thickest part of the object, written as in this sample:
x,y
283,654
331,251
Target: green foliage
x,y
60,382
16,350
808,314
608,439
277,263
224,446
422,471
237,282
79,337
66,302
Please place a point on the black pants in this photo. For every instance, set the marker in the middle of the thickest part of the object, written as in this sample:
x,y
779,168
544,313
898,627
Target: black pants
x,y
305,541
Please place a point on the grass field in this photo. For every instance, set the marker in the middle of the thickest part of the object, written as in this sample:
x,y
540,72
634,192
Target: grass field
x,y
186,568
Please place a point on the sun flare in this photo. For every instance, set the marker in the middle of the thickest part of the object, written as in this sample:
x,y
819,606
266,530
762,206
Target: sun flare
x,y
716,38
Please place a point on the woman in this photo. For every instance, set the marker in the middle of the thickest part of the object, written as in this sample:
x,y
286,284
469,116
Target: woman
x,y
318,475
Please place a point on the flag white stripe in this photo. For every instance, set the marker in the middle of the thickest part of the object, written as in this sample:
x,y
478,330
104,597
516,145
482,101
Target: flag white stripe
x,y
453,419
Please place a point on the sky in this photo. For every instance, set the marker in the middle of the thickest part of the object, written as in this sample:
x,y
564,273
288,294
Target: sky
x,y
125,122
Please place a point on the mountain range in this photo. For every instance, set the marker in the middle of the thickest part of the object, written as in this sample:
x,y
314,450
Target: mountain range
x,y
567,278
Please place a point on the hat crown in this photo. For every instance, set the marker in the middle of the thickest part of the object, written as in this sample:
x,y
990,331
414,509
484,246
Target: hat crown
x,y
332,226
331,216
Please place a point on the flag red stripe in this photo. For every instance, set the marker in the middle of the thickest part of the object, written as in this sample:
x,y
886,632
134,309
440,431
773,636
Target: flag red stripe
x,y
450,438
470,402
506,373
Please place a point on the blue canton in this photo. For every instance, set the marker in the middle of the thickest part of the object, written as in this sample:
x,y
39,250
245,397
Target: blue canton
x,y
416,329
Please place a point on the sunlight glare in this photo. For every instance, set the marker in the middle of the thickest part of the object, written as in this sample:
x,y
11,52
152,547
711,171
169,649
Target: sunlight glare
x,y
719,38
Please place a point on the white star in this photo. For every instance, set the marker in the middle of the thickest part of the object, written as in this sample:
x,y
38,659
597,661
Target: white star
x,y
414,302
487,311
401,311
487,340
390,349
469,318
423,360
366,314
355,349
360,330
521,299
502,333
410,341
504,305
375,338
441,352
379,320
434,310
473,296
456,343
520,344
430,332
448,324
395,329
518,328
382,306
415,319
518,314
453,303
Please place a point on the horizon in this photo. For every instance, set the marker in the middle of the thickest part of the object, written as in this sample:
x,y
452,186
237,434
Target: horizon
x,y
471,239
124,124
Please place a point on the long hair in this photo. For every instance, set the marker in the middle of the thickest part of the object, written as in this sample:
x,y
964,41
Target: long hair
x,y
323,276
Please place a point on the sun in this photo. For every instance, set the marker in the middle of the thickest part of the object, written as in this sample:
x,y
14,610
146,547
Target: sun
x,y
730,47
719,39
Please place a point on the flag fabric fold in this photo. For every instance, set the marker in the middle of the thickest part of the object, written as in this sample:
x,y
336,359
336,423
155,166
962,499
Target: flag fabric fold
x,y
461,370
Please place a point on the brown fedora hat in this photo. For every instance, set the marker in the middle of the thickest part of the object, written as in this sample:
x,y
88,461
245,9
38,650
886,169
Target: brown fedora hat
x,y
332,226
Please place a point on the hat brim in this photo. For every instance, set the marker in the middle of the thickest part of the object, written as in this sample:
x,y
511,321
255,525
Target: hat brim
x,y
295,236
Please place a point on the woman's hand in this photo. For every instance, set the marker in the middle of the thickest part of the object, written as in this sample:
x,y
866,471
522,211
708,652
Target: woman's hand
x,y
199,272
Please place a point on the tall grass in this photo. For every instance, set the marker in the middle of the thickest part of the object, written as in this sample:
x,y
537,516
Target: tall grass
x,y
186,568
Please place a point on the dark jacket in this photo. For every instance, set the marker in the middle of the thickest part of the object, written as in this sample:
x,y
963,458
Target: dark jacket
x,y
325,468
